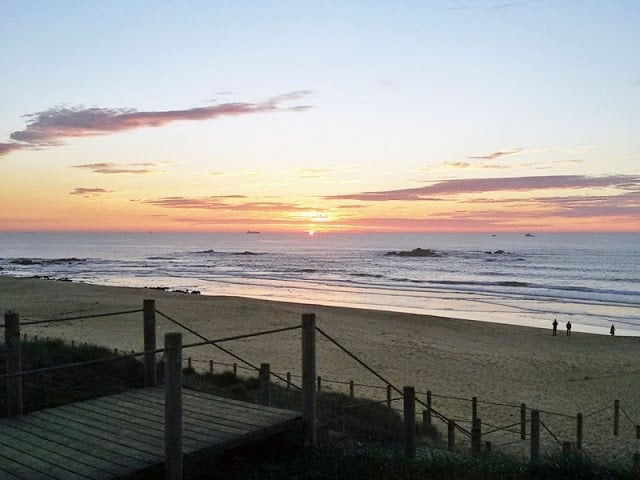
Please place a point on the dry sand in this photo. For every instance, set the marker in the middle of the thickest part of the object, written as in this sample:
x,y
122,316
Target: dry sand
x,y
451,357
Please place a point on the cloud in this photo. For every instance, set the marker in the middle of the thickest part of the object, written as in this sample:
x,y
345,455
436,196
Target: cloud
x,y
221,203
481,185
88,192
51,127
6,148
494,155
114,168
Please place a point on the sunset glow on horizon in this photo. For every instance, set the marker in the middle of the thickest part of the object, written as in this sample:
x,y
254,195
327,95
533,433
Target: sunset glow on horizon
x,y
444,116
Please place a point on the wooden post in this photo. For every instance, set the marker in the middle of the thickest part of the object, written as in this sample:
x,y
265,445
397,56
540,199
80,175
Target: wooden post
x,y
637,432
487,447
352,389
288,380
636,463
566,449
451,435
535,436
211,367
149,326
616,417
425,421
523,421
189,365
409,394
265,373
319,384
476,437
579,432
235,369
309,378
474,410
13,363
389,397
429,420
173,406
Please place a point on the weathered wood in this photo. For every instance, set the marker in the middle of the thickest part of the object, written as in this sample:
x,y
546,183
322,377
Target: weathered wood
x,y
110,436
149,329
451,435
579,431
13,363
535,436
523,421
487,447
428,419
265,382
409,395
235,369
616,417
173,407
309,378
351,389
474,410
288,380
389,397
476,437
566,449
319,387
210,367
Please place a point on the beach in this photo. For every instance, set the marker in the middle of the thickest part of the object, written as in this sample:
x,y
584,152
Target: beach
x,y
498,363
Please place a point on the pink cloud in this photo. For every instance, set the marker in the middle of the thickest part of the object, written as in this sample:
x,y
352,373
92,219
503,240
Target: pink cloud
x,y
51,127
498,154
480,185
221,203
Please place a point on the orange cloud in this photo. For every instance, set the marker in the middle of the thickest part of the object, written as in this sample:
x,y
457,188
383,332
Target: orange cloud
x,y
88,192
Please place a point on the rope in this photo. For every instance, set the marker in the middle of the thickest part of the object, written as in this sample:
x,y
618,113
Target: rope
x,y
550,432
366,404
237,337
497,429
627,416
78,364
82,317
596,412
228,352
371,370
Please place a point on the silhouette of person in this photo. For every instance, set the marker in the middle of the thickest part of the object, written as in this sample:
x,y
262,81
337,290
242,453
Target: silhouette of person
x,y
568,328
555,327
612,331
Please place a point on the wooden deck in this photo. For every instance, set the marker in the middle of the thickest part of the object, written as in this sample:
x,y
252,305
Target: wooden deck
x,y
116,436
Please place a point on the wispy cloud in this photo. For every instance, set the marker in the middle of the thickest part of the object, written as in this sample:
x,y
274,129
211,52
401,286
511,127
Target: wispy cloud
x,y
222,203
51,127
498,154
479,185
88,192
115,168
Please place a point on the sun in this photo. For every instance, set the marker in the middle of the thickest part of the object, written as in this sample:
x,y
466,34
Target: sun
x,y
311,233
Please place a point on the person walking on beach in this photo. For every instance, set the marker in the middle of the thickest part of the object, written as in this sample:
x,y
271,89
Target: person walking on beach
x,y
612,331
555,327
568,328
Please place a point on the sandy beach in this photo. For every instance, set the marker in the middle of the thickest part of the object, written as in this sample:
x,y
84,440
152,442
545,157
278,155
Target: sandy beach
x,y
497,363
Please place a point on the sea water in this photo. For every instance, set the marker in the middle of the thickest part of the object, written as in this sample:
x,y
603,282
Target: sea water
x,y
592,280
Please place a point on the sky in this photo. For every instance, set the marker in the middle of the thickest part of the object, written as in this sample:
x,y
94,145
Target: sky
x,y
338,116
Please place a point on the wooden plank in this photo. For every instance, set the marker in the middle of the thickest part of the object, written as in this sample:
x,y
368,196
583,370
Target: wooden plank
x,y
5,475
190,424
22,471
83,443
91,437
253,406
150,424
203,412
65,452
45,469
110,433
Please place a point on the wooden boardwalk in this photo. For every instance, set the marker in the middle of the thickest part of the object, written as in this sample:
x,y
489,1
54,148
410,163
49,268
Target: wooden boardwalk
x,y
116,436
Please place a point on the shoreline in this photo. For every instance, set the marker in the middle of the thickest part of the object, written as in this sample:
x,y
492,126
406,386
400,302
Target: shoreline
x,y
502,363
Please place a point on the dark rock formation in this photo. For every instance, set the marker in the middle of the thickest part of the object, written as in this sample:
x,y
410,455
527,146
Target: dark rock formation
x,y
416,252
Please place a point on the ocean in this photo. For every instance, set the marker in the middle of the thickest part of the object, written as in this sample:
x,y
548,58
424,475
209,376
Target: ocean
x,y
592,280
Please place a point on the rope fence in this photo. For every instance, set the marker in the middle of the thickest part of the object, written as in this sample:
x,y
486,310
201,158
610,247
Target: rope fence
x,y
453,424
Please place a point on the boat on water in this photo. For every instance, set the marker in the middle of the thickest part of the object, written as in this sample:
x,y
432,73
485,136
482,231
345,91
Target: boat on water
x,y
529,235
252,232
